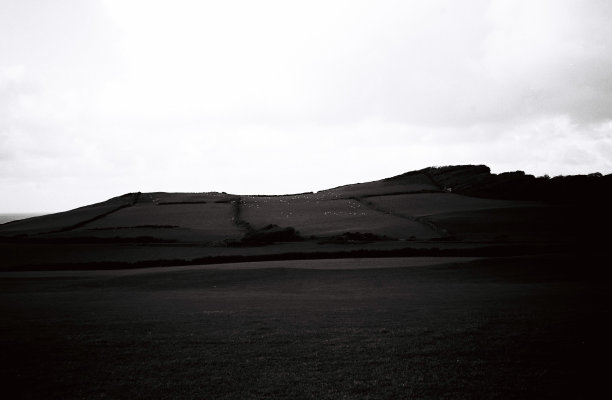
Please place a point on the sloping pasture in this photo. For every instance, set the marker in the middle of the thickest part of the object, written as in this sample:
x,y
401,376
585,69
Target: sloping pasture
x,y
328,217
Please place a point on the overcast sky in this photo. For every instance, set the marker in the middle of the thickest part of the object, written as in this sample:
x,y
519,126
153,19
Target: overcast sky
x,y
101,98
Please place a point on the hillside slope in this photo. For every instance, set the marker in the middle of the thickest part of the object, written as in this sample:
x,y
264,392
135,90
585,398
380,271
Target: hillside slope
x,y
441,206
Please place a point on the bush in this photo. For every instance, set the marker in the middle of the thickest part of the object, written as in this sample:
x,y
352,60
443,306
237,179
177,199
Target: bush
x,y
271,234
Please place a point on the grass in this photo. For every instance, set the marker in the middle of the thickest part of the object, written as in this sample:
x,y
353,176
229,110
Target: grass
x,y
423,204
203,222
506,328
311,216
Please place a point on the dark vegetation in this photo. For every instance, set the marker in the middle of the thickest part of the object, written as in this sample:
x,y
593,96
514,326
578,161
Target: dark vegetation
x,y
270,234
136,227
353,237
168,203
485,251
86,239
478,181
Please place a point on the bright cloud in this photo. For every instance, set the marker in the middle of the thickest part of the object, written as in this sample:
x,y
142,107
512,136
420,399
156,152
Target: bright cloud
x,y
105,97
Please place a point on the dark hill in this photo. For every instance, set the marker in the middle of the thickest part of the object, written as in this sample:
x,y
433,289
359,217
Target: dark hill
x,y
435,209
478,181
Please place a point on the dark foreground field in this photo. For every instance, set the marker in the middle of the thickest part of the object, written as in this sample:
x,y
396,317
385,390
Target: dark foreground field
x,y
391,328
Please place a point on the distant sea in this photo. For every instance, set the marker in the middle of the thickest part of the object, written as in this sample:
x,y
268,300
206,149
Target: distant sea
x,y
4,218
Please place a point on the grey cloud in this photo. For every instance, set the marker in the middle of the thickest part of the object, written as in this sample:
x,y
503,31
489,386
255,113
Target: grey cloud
x,y
436,79
381,86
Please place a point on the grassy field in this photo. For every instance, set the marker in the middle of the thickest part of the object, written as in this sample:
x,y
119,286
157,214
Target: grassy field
x,y
393,328
329,217
171,216
65,220
410,207
423,204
